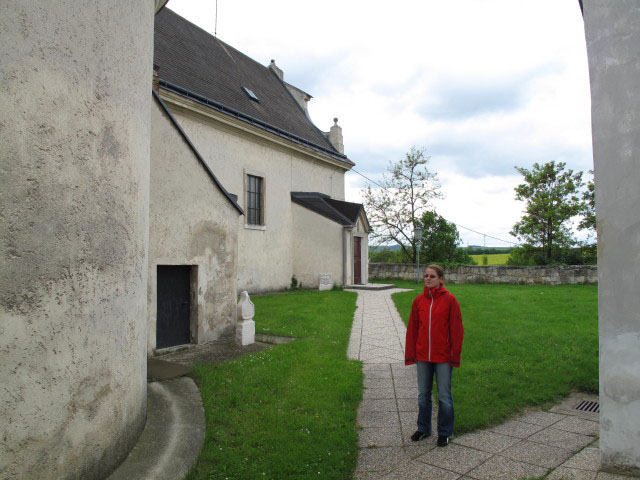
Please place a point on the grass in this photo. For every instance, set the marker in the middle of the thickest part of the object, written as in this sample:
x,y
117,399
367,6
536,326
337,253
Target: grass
x,y
523,346
288,412
493,258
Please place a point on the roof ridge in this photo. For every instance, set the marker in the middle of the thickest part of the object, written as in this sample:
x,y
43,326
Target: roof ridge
x,y
216,38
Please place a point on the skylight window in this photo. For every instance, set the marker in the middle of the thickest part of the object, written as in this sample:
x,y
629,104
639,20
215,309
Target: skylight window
x,y
250,94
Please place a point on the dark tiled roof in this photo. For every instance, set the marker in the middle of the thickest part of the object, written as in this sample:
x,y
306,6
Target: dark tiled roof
x,y
344,213
200,63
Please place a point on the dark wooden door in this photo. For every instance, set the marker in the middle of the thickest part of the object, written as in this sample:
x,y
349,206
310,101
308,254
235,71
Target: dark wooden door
x,y
174,306
357,260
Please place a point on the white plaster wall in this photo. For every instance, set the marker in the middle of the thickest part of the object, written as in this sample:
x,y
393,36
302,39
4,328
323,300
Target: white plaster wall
x,y
317,247
265,260
191,223
612,30
74,187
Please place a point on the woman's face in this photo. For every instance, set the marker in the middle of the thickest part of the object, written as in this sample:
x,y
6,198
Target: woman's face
x,y
431,279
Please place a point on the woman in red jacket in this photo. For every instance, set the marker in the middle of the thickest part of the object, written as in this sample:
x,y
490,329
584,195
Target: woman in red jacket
x,y
434,343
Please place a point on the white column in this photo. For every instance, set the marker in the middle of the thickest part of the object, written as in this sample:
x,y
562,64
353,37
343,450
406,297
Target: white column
x,y
613,43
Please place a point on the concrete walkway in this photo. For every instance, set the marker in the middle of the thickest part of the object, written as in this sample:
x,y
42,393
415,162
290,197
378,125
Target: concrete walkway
x,y
560,443
172,436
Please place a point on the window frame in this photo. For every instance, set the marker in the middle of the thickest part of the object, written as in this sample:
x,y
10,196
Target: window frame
x,y
252,197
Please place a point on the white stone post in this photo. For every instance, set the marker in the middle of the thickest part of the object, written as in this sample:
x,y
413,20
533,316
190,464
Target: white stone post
x,y
326,282
612,29
246,327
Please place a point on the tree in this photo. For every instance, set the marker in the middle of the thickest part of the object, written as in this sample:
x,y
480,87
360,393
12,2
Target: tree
x,y
395,209
552,200
588,222
385,255
440,241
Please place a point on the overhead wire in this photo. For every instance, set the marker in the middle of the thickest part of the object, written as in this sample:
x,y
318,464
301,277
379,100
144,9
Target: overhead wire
x,y
456,224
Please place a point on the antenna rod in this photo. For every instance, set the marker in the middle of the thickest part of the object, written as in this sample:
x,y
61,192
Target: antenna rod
x,y
215,28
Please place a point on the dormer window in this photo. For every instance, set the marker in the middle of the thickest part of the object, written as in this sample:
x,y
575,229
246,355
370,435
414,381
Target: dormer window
x,y
250,94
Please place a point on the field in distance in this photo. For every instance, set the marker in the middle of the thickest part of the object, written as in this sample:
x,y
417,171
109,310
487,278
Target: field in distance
x,y
494,258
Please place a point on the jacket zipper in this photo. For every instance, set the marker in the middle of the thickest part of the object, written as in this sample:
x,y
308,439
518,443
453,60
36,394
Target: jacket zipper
x,y
430,308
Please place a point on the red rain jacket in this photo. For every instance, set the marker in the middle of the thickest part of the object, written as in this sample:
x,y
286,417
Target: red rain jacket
x,y
435,328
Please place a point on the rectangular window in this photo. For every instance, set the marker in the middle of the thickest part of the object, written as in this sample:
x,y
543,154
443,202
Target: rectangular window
x,y
255,203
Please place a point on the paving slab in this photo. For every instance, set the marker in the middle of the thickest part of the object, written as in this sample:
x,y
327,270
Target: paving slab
x,y
515,428
379,405
419,471
586,459
503,468
380,437
375,393
383,459
561,439
378,419
537,454
563,473
544,419
486,441
455,458
578,425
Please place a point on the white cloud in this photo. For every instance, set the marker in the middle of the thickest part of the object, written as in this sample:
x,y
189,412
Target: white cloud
x,y
482,85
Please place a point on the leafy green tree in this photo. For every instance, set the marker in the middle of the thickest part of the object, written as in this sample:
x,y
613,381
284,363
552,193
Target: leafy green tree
x,y
552,200
588,221
395,210
385,255
440,241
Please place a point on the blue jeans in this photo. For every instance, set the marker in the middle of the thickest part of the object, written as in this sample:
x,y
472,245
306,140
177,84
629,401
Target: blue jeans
x,y
443,373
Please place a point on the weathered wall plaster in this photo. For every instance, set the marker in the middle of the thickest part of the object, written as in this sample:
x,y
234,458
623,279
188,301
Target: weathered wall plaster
x,y
316,248
191,223
74,143
612,29
265,260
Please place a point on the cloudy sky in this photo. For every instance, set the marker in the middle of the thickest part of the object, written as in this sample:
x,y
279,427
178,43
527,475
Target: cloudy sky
x,y
481,85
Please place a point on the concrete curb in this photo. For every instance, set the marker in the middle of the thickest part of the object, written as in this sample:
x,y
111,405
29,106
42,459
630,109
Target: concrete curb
x,y
173,435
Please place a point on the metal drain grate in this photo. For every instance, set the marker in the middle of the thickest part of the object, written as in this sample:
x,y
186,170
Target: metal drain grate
x,y
586,406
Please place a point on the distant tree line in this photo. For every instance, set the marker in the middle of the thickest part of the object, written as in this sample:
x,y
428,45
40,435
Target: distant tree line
x,y
554,199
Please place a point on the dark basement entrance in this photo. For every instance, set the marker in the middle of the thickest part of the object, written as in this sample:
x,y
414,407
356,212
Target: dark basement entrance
x,y
174,306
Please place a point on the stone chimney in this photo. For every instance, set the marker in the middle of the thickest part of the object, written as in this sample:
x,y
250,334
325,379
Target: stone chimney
x,y
300,96
335,136
276,70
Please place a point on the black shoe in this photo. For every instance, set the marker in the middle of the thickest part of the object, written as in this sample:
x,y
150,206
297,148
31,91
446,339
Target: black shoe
x,y
443,441
418,435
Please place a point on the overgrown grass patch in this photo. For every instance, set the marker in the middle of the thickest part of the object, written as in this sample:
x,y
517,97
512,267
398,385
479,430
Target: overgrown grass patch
x,y
288,412
523,346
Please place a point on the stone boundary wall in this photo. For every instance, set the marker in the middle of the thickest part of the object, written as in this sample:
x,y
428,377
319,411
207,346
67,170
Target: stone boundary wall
x,y
543,275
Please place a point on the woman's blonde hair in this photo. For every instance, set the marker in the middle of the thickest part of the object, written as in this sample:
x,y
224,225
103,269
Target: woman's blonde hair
x,y
438,269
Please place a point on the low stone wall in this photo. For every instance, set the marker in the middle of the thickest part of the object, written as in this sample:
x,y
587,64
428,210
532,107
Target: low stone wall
x,y
552,275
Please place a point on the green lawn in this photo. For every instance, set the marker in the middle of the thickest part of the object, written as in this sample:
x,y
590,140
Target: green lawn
x,y
288,412
493,259
523,345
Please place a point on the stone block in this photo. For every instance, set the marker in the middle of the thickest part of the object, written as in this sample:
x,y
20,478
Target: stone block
x,y
246,327
326,282
246,332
